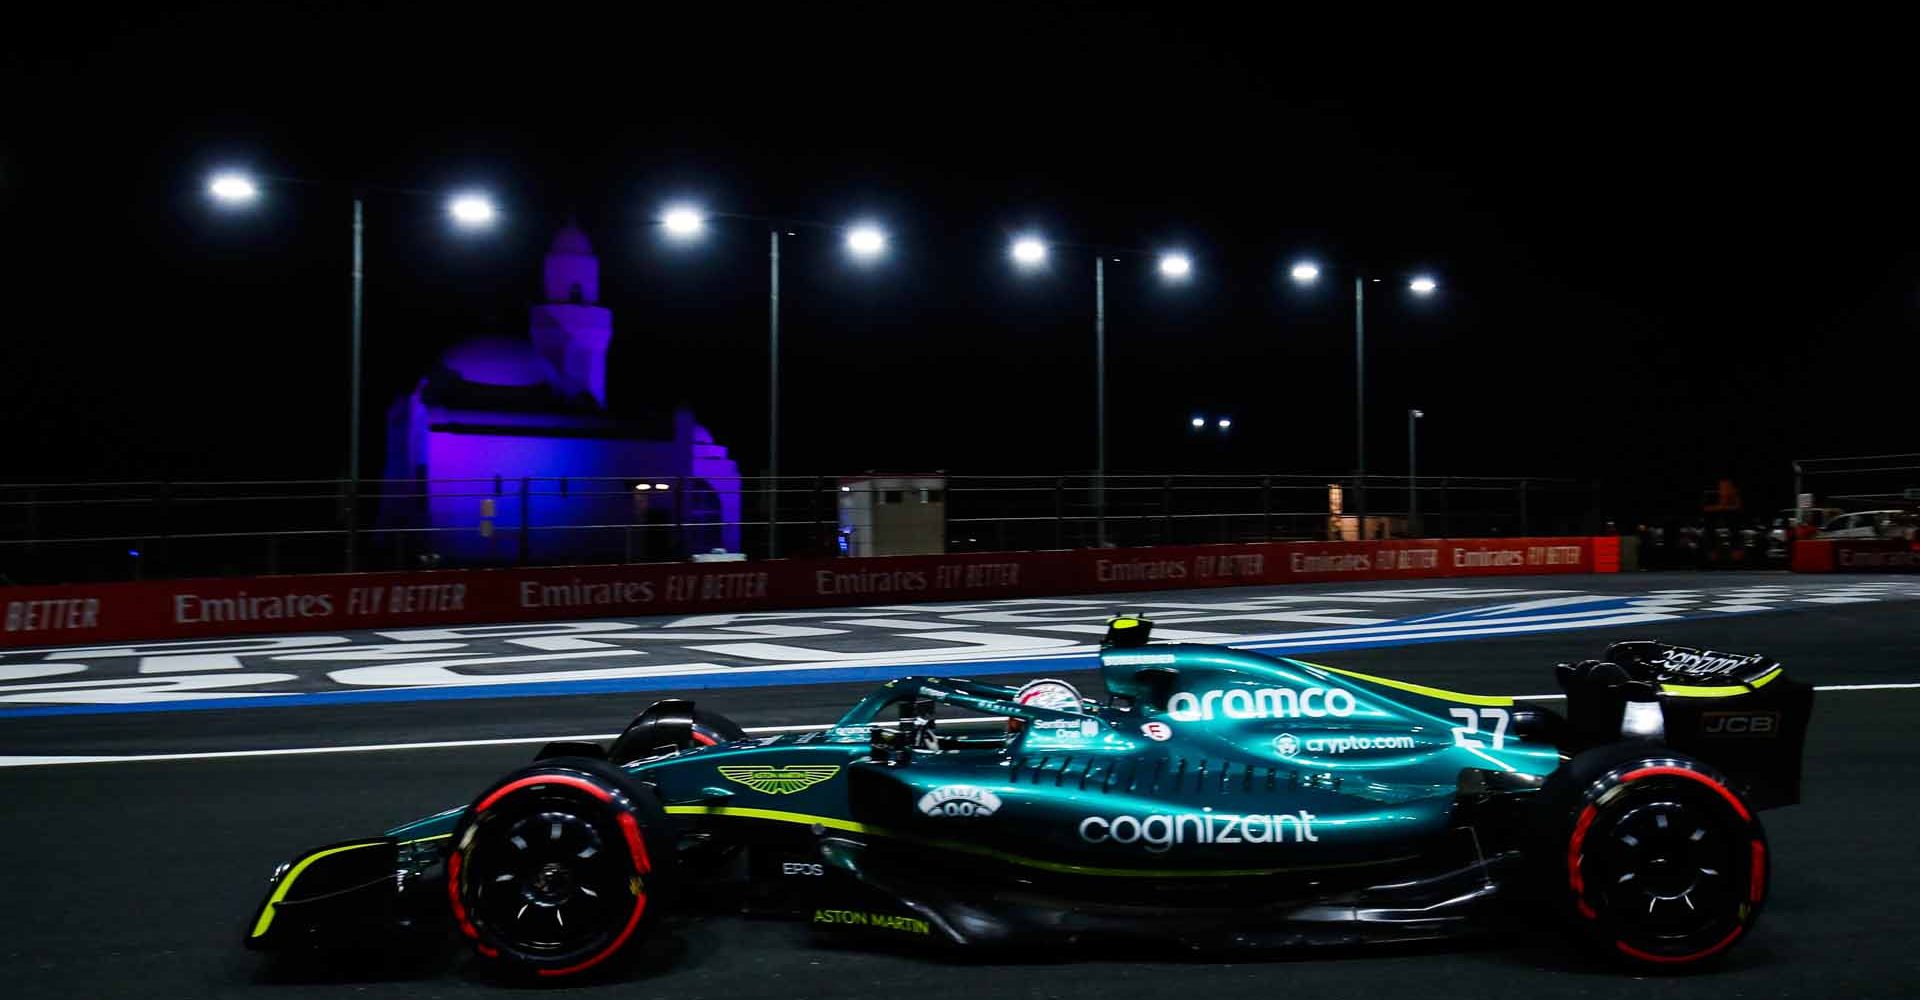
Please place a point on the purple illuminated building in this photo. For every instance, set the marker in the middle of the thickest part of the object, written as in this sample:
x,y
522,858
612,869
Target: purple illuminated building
x,y
502,425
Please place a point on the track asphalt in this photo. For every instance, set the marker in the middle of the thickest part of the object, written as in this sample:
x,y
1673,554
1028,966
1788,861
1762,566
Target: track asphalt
x,y
133,878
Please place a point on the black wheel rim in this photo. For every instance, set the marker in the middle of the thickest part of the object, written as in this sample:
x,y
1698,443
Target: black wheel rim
x,y
549,879
1667,869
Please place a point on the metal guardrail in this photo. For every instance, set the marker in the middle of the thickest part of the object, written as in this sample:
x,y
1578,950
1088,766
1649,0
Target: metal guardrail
x,y
1860,482
74,532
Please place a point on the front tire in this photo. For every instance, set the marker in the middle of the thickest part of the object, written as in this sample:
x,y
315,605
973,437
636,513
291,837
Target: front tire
x,y
556,869
1660,863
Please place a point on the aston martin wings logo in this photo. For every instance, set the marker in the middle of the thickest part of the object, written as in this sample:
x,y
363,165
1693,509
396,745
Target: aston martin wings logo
x,y
785,780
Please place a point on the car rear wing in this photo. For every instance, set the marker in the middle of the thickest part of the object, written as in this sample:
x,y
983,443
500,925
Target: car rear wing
x,y
1740,713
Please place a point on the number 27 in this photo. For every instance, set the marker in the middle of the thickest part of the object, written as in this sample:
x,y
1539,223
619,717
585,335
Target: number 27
x,y
1468,735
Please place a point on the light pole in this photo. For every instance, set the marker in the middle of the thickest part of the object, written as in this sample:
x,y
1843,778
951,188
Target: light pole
x,y
1174,266
864,241
1413,474
1306,273
773,392
1099,401
1360,405
1030,252
468,211
353,381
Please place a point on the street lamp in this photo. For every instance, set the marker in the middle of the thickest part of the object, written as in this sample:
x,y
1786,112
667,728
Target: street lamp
x,y
684,221
233,188
1029,251
866,242
1173,267
470,210
1306,273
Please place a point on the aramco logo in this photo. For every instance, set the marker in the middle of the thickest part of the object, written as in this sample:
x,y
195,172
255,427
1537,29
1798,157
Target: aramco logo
x,y
1261,703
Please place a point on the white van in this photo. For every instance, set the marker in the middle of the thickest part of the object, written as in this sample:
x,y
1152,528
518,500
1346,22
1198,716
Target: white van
x,y
1872,524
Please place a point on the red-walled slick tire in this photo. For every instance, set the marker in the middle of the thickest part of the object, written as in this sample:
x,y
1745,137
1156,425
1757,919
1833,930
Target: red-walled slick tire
x,y
556,869
1659,863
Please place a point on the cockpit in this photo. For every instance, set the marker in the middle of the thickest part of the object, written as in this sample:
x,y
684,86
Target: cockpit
x,y
934,714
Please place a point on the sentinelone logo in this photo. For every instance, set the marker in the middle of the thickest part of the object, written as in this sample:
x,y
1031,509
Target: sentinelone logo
x,y
1704,661
1159,832
1261,703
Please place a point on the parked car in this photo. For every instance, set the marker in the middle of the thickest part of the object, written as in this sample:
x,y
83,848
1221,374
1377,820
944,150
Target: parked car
x,y
1895,524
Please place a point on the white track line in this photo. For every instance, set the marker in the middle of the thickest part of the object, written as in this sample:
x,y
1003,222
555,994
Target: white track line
x,y
32,761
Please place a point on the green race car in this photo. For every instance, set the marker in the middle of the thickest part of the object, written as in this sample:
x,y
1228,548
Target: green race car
x,y
1213,799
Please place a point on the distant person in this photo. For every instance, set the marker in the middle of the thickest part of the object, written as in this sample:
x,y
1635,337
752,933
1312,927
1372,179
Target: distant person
x,y
1654,556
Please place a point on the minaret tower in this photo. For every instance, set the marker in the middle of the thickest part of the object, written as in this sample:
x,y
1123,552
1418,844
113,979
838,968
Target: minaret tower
x,y
570,329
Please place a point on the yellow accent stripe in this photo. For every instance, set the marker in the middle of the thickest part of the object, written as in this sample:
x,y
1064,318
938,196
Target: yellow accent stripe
x,y
1420,689
745,812
422,840
951,845
286,882
1725,691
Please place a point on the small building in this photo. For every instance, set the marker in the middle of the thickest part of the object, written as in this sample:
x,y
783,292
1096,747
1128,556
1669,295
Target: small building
x,y
516,454
893,515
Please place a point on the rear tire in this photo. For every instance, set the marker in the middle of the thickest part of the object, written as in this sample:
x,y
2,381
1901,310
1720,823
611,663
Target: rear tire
x,y
1658,863
556,869
711,728
672,724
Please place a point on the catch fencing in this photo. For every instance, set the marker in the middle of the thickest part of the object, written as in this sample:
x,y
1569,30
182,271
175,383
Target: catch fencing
x,y
1860,482
87,532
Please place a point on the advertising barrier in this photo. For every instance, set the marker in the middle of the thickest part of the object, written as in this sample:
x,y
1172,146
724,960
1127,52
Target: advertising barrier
x,y
187,609
1825,555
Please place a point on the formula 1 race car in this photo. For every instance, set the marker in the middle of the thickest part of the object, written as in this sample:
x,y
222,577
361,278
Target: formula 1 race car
x,y
1215,799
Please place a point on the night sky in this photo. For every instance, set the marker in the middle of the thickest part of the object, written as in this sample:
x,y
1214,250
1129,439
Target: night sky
x,y
1668,252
